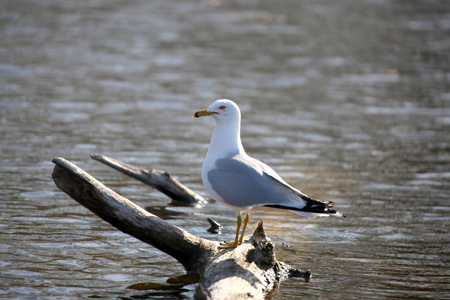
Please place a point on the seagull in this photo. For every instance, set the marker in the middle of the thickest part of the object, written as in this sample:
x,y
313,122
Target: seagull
x,y
244,183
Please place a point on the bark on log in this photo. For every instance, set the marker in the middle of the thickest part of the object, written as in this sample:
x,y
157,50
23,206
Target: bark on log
x,y
249,271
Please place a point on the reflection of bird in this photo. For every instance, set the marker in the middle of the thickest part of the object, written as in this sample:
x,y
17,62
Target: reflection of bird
x,y
243,183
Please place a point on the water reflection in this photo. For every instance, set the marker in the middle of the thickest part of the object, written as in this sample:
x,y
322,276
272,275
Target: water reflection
x,y
348,102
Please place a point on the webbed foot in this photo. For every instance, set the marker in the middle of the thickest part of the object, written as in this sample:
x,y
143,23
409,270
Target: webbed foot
x,y
228,245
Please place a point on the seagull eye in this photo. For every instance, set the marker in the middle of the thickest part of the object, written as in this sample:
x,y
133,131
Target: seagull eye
x,y
222,107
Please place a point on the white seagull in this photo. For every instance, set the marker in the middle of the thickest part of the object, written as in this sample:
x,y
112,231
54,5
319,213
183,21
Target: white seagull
x,y
243,183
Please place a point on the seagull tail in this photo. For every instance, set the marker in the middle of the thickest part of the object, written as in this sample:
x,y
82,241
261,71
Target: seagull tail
x,y
316,208
313,208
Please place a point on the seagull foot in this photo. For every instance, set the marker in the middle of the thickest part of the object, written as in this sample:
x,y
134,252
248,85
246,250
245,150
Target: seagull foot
x,y
229,245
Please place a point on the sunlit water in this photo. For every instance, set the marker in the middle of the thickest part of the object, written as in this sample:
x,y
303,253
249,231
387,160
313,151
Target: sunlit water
x,y
349,101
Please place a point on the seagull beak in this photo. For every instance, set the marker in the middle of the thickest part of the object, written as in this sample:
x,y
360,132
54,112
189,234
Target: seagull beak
x,y
202,113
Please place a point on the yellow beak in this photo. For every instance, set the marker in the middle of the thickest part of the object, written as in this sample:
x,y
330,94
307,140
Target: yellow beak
x,y
202,113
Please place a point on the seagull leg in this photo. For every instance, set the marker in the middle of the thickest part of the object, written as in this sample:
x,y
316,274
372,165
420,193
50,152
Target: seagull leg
x,y
236,240
247,218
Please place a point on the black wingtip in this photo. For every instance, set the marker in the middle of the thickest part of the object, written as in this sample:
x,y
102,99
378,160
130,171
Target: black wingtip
x,y
309,209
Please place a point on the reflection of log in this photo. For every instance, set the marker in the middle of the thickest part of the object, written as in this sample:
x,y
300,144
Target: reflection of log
x,y
249,271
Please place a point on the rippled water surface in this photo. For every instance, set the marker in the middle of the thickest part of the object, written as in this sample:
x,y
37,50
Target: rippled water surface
x,y
347,100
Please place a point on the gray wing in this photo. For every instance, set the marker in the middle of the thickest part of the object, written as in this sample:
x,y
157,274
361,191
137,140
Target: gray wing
x,y
245,182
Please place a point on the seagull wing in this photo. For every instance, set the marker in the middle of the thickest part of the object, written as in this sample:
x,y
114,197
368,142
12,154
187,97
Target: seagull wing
x,y
244,182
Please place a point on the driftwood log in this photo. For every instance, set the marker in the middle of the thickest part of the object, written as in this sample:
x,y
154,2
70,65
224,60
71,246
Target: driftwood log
x,y
160,180
250,271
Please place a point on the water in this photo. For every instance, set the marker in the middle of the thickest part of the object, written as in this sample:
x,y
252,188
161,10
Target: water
x,y
348,101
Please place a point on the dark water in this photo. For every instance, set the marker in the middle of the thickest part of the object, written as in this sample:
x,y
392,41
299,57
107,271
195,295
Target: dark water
x,y
348,100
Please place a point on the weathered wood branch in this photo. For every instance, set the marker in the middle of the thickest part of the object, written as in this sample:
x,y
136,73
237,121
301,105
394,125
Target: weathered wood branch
x,y
191,251
160,180
249,271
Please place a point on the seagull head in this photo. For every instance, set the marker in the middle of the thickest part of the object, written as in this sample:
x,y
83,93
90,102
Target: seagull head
x,y
222,110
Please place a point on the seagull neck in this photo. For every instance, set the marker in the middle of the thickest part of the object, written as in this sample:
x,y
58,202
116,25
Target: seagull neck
x,y
226,140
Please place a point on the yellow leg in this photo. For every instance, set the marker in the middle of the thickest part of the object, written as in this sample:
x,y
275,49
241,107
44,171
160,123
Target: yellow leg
x,y
236,240
247,218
